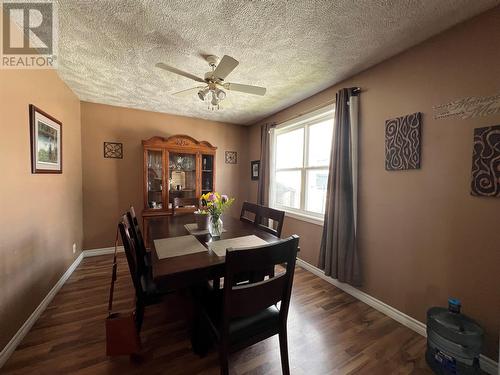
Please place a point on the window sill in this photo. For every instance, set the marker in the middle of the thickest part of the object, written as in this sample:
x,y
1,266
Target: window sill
x,y
306,218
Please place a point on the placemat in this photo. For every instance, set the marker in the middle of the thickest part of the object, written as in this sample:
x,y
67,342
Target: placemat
x,y
176,246
193,229
219,247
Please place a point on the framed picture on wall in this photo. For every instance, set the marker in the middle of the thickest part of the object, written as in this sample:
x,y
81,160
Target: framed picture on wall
x,y
46,142
255,169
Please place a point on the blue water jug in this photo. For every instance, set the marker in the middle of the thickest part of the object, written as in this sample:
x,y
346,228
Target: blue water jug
x,y
454,341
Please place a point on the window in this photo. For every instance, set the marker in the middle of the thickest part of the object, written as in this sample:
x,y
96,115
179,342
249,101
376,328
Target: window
x,y
300,156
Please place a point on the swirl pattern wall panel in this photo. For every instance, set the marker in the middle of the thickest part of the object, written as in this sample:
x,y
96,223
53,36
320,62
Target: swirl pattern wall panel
x,y
402,142
486,162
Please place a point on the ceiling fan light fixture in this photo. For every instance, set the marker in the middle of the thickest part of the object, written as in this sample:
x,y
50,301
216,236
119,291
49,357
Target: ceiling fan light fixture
x,y
215,100
202,94
220,94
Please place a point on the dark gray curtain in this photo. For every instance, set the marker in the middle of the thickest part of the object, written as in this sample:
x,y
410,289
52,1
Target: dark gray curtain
x,y
339,253
265,151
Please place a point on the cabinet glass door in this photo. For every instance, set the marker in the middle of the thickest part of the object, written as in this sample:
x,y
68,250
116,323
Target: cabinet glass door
x,y
155,179
207,173
182,176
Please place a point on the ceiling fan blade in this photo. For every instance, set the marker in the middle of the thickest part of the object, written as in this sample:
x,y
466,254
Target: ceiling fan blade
x,y
226,103
248,89
179,72
187,91
226,66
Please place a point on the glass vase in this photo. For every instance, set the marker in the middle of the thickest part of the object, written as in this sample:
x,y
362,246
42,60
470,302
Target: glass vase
x,y
215,226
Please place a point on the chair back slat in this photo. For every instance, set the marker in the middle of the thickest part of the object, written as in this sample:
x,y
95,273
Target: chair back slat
x,y
134,216
249,208
257,258
136,234
130,252
247,299
266,214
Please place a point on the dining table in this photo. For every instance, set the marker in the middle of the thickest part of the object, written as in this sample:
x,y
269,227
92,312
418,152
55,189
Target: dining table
x,y
190,269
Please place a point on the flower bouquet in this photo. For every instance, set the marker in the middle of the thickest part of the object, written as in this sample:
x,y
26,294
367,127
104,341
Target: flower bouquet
x,y
215,204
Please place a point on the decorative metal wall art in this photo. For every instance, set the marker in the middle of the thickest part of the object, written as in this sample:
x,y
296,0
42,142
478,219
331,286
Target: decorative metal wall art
x,y
113,150
231,157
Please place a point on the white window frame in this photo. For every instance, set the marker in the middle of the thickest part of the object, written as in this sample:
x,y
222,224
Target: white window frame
x,y
304,121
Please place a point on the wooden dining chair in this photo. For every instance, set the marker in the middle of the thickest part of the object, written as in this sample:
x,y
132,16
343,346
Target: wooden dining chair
x,y
146,293
184,202
246,314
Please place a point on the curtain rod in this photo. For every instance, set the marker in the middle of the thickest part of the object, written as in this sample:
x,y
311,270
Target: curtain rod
x,y
355,91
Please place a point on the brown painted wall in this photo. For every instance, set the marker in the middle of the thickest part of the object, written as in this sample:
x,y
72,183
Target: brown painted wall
x,y
41,214
110,186
422,236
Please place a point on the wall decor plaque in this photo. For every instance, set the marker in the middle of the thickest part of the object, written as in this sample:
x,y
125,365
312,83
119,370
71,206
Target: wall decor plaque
x,y
473,106
231,157
486,162
402,142
113,150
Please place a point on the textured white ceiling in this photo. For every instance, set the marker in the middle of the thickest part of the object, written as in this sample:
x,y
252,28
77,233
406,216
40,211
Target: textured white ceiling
x,y
108,49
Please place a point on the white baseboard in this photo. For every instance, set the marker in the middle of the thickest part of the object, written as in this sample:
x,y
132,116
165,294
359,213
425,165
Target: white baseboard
x,y
102,251
21,333
487,364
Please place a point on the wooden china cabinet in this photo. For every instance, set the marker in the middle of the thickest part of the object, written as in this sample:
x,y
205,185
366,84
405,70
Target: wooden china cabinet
x,y
177,166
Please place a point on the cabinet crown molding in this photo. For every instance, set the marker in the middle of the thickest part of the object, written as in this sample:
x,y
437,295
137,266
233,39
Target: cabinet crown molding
x,y
178,140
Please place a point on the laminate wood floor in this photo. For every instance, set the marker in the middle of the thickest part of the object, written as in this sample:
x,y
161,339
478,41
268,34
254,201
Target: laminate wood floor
x,y
329,332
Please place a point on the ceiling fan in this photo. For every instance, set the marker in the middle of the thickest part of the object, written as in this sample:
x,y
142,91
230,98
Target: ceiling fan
x,y
212,90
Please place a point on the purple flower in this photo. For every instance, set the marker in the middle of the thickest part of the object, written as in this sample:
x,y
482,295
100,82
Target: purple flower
x,y
224,198
211,197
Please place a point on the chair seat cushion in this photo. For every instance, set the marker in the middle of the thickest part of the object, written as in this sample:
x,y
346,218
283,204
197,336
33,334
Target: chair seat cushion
x,y
241,329
264,321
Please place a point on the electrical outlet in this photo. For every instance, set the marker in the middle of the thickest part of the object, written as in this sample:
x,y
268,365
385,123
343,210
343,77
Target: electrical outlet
x,y
74,248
